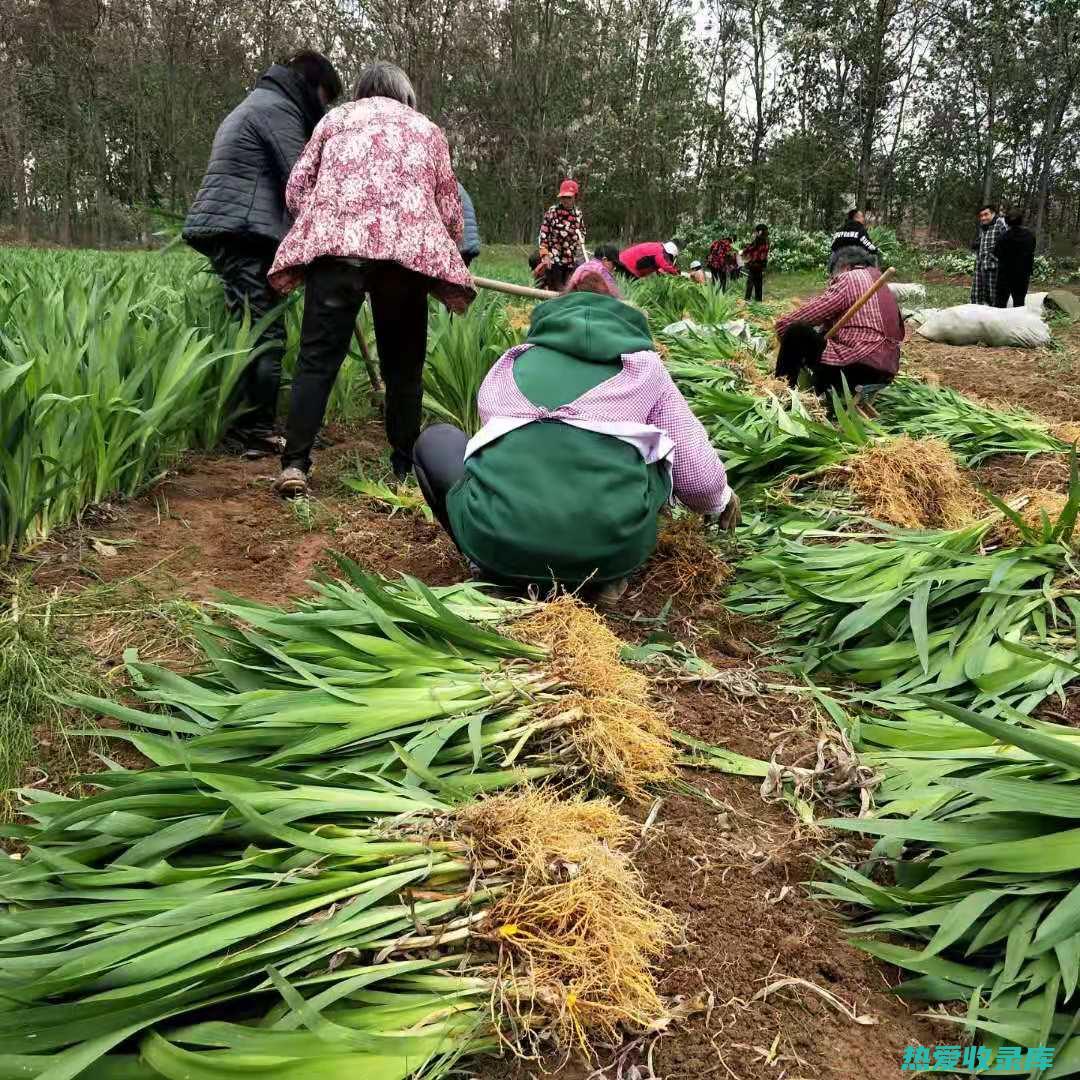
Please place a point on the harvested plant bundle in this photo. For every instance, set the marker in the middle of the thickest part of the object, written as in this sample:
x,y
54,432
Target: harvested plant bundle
x,y
914,483
765,439
973,431
310,821
616,729
975,819
576,928
404,681
921,612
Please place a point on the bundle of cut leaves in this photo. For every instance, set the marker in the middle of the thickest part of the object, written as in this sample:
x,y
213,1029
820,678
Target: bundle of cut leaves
x,y
310,820
973,431
763,439
974,823
403,681
906,612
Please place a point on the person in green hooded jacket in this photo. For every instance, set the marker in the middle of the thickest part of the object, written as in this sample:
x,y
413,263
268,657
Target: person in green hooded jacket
x,y
585,438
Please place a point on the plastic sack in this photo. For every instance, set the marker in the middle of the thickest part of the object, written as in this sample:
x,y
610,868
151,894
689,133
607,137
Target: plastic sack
x,y
977,324
908,292
739,329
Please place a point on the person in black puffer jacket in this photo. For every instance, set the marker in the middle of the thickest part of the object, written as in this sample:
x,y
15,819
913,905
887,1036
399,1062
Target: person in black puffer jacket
x,y
239,216
470,240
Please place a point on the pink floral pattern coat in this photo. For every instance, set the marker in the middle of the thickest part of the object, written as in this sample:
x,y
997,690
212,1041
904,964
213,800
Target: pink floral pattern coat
x,y
375,182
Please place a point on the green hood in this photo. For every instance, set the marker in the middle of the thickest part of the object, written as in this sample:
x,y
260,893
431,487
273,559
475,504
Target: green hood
x,y
589,326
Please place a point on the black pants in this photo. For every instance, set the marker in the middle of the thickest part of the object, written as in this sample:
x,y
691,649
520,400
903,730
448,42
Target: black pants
x,y
1016,288
333,294
755,283
556,276
720,279
242,266
439,461
802,347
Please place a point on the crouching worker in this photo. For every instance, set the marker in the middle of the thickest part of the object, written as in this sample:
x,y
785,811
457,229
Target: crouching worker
x,y
585,438
865,351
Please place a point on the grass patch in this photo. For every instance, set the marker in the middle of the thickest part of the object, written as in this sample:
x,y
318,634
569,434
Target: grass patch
x,y
504,262
39,666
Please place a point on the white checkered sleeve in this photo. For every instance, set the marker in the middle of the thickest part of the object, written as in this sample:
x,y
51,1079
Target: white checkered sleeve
x,y
697,473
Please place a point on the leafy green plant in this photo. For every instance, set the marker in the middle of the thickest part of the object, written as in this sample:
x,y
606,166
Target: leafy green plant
x,y
102,378
666,299
461,351
405,497
974,432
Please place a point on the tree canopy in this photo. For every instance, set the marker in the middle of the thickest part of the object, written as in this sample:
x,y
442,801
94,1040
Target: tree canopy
x,y
666,111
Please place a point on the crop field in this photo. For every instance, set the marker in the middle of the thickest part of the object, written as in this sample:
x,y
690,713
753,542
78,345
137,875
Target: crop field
x,y
287,794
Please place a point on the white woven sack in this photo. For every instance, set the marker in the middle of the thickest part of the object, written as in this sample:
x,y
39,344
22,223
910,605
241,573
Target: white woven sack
x,y
977,324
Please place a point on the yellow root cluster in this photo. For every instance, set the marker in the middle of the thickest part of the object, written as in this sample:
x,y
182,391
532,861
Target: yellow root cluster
x,y
1039,502
685,565
577,937
915,483
617,731
1068,431
759,381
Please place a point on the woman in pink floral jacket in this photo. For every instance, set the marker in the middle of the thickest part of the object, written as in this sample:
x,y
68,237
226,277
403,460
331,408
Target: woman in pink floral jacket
x,y
377,214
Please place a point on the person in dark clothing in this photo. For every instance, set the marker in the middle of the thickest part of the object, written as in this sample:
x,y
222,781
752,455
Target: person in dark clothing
x,y
853,234
470,241
239,216
334,291
755,261
1015,250
722,262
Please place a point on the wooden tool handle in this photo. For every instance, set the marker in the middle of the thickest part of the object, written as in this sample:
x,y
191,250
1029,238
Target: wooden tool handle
x,y
513,290
846,317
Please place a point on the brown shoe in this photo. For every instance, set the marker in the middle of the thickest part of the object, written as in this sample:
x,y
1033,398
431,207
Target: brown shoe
x,y
292,483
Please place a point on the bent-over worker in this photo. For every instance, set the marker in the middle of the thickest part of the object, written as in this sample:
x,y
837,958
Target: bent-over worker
x,y
585,438
377,214
650,257
866,349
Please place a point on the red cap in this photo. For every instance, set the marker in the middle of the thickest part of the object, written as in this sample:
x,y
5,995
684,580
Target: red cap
x,y
568,188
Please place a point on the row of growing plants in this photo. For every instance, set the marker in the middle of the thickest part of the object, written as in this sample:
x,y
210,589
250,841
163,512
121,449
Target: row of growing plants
x,y
112,365
936,648
338,858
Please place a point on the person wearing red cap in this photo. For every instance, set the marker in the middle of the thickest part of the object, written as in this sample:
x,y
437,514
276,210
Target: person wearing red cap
x,y
562,239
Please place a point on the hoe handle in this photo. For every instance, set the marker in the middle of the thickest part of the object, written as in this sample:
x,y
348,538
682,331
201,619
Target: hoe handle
x,y
513,290
846,317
